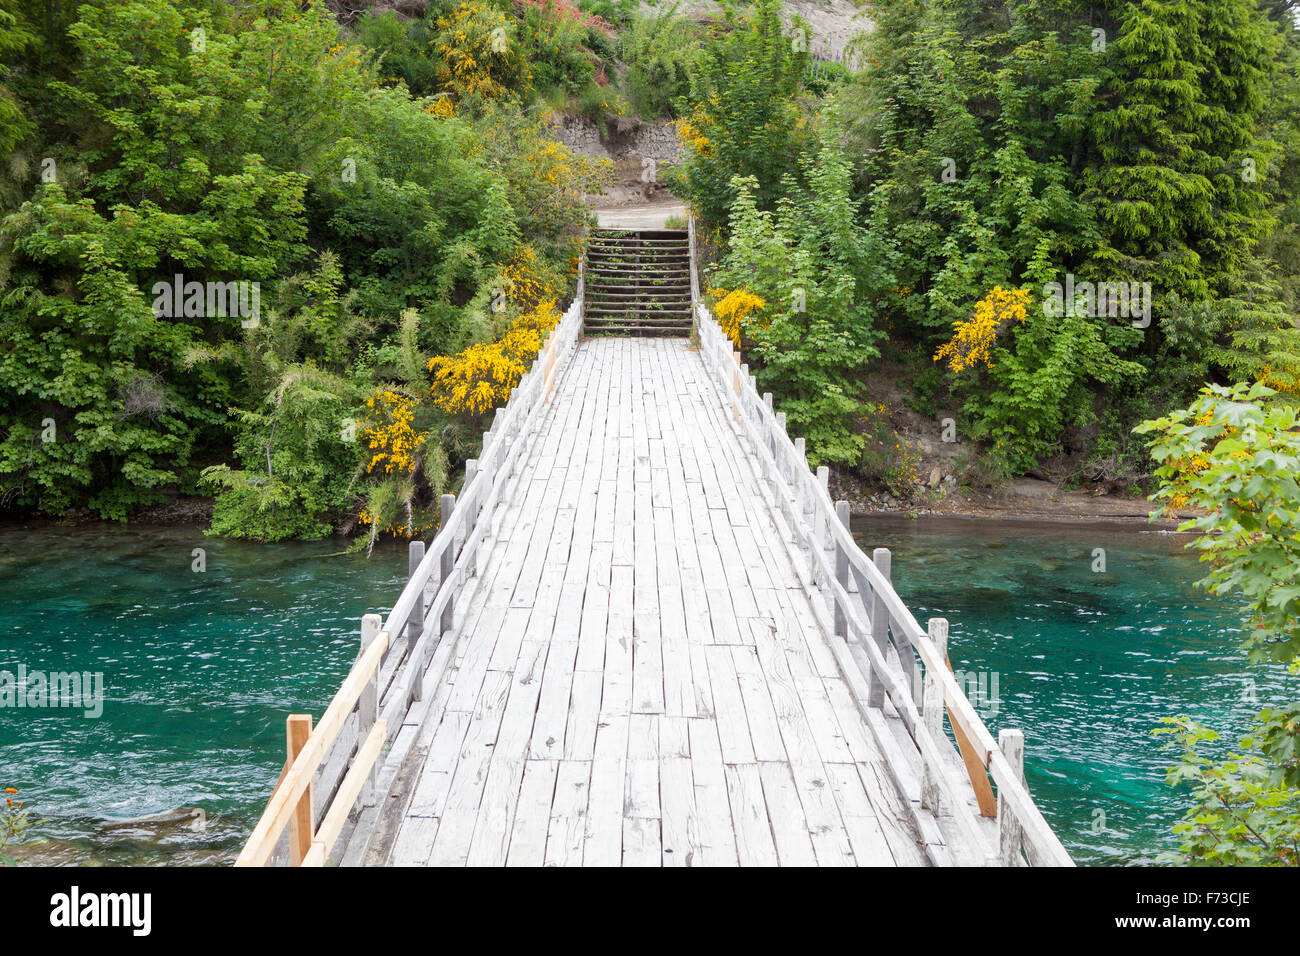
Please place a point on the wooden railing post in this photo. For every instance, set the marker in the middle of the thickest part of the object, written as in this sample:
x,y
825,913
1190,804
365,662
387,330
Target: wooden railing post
x,y
841,570
472,535
297,730
932,713
879,629
448,560
368,702
1012,745
415,623
767,405
782,461
820,529
501,440
800,482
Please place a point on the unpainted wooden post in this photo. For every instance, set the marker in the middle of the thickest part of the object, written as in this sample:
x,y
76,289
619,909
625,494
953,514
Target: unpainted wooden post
x,y
932,706
368,702
841,570
879,628
415,623
1012,744
297,729
448,559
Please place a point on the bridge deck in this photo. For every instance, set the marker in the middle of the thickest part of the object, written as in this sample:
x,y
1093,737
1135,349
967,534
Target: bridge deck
x,y
640,679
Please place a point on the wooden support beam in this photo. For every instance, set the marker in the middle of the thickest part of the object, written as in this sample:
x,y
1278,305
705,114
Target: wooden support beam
x,y
979,777
297,730
368,699
448,504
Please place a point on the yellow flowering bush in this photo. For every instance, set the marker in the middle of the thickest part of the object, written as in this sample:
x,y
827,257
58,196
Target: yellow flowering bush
x,y
393,443
398,455
481,378
525,284
733,308
1286,381
972,344
478,55
442,106
690,133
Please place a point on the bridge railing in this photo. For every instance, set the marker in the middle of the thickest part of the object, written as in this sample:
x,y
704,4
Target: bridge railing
x,y
332,767
882,639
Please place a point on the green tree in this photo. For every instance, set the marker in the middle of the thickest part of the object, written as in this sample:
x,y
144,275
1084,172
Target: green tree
x,y
1179,142
1236,457
817,271
744,120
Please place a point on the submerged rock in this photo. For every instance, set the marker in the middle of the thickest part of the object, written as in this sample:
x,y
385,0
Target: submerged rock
x,y
182,818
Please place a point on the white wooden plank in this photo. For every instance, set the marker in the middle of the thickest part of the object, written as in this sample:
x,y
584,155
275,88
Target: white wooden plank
x,y
789,827
533,816
729,707
568,825
717,837
754,844
603,845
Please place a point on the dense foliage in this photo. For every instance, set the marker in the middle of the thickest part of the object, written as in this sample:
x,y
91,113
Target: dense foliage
x,y
352,227
1136,159
1238,459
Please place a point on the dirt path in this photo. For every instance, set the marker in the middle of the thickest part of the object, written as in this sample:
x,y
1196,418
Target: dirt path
x,y
644,216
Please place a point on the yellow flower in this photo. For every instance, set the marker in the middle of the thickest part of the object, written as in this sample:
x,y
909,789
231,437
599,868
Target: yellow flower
x,y
733,309
972,344
481,378
392,437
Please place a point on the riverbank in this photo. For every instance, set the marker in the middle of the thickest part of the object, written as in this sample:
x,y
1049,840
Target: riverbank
x,y
1021,498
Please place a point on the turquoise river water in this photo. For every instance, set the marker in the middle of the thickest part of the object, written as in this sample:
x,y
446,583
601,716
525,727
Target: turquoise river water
x,y
200,667
1085,662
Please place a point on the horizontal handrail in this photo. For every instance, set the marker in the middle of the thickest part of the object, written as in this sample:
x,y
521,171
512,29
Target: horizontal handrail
x,y
810,515
295,783
402,647
469,519
336,818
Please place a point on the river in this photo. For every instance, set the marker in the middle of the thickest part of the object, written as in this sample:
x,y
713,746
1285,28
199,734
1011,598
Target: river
x,y
201,660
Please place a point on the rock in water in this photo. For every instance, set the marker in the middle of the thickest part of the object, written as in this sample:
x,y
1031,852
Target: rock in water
x,y
186,818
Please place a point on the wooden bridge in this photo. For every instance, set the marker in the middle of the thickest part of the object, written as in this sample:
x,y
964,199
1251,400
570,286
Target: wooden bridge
x,y
644,635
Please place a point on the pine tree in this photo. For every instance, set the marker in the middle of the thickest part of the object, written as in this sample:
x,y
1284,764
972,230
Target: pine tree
x,y
1179,149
